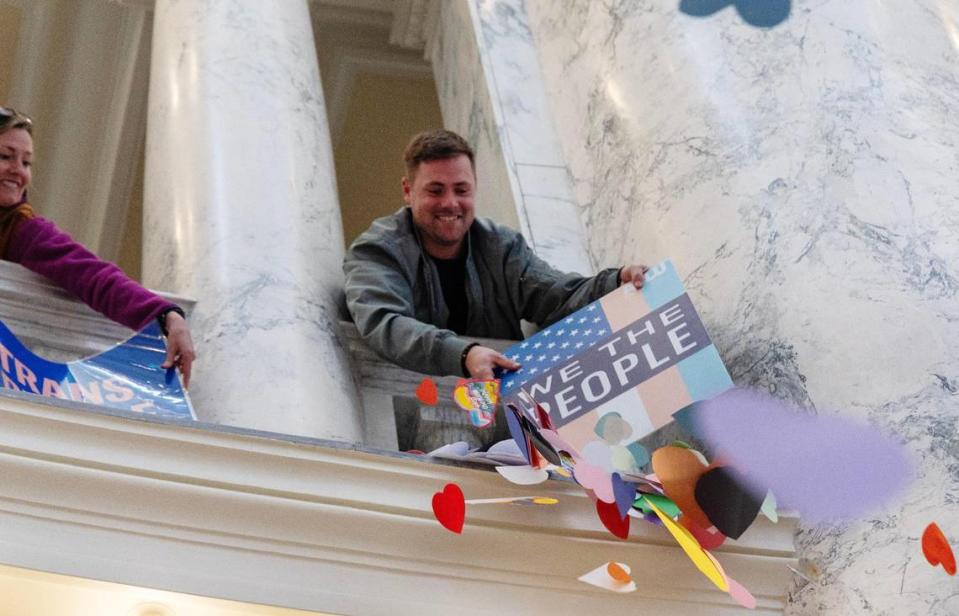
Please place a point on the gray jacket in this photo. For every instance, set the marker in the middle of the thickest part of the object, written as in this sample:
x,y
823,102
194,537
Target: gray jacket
x,y
393,292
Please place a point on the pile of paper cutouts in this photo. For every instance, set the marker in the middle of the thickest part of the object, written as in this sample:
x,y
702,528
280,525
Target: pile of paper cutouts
x,y
827,467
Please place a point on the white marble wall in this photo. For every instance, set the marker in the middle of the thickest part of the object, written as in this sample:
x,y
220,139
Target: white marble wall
x,y
492,92
241,213
805,178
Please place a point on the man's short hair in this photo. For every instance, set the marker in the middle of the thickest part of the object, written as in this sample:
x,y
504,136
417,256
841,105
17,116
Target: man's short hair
x,y
438,144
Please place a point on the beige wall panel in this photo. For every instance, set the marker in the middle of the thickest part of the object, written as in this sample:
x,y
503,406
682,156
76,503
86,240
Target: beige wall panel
x,y
10,17
383,114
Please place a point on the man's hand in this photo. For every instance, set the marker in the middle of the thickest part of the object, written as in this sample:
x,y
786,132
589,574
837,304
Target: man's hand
x,y
635,274
481,360
179,346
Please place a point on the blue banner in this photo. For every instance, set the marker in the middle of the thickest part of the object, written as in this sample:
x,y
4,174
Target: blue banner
x,y
127,377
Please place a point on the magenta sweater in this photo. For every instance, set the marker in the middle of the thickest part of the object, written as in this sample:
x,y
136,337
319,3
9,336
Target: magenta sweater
x,y
41,247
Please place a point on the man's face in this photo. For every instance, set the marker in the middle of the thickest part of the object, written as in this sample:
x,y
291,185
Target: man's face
x,y
441,198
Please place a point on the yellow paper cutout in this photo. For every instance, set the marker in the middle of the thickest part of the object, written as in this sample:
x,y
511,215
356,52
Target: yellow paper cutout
x,y
462,398
697,554
545,500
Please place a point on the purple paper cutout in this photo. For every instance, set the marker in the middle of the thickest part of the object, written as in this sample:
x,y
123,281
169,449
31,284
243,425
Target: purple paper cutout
x,y
825,467
516,431
625,494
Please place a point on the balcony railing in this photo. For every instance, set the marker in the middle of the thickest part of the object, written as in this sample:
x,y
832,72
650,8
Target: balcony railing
x,y
310,524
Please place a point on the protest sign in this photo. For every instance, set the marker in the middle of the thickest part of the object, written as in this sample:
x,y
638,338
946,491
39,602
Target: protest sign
x,y
127,377
617,369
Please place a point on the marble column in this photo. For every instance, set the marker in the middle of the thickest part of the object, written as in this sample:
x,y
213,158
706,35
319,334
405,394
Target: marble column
x,y
241,213
803,172
491,91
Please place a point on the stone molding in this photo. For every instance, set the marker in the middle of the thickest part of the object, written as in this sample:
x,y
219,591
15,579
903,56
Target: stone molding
x,y
310,524
305,523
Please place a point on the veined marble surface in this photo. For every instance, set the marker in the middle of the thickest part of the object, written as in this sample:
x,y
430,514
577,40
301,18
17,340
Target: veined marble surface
x,y
805,178
462,88
241,211
492,92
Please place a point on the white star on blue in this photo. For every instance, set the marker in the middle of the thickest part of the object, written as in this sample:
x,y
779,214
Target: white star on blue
x,y
559,336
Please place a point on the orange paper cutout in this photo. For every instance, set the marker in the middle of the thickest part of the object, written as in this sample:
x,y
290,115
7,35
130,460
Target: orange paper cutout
x,y
936,549
618,573
678,469
427,392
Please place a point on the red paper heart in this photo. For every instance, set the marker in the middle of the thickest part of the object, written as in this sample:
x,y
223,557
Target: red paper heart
x,y
544,421
449,507
707,540
936,549
427,392
614,523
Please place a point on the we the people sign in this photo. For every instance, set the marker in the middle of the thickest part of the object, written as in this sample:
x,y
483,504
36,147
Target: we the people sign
x,y
634,355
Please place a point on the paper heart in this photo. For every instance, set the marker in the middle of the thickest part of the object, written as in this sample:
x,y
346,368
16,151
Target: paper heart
x,y
936,549
759,13
665,505
558,443
611,576
609,516
618,572
598,453
709,539
678,469
596,479
541,444
544,421
449,507
768,508
523,475
516,432
621,459
612,428
723,497
740,594
427,392
640,454
703,560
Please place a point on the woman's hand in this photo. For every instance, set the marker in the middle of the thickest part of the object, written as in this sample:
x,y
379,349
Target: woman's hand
x,y
179,346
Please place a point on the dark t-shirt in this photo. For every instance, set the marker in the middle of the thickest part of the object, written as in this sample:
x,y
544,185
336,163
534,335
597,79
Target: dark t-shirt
x,y
453,281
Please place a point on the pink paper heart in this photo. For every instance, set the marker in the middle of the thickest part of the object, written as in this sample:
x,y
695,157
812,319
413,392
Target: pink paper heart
x,y
596,479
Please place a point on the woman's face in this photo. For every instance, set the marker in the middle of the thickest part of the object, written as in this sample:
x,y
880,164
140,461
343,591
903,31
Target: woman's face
x,y
16,157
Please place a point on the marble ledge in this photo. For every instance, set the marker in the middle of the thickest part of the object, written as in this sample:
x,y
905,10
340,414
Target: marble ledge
x,y
179,477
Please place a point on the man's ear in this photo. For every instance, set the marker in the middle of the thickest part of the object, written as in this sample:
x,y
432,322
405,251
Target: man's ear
x,y
407,190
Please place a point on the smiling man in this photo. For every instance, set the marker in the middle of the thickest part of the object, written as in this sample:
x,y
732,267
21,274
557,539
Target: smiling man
x,y
422,281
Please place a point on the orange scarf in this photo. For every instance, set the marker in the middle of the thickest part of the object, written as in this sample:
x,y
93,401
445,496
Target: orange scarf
x,y
10,217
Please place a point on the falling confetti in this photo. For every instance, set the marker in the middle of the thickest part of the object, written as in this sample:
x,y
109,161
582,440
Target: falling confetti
x,y
427,392
449,507
936,549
